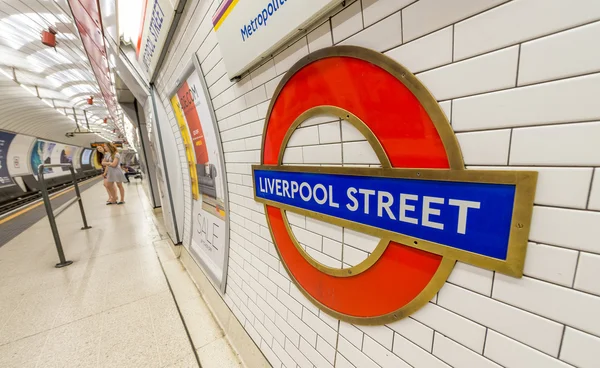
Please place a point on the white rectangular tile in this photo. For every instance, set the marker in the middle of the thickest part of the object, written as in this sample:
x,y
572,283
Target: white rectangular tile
x,y
320,37
382,356
360,240
512,354
571,53
354,355
594,199
303,329
347,22
414,331
289,56
350,133
557,186
552,264
326,350
359,153
458,356
313,355
381,36
558,303
298,356
588,273
528,328
332,248
308,238
563,101
323,228
304,137
416,356
460,329
352,334
321,328
264,73
580,349
293,156
425,53
426,16
569,144
330,133
473,278
485,73
329,153
375,10
485,148
518,21
566,228
382,334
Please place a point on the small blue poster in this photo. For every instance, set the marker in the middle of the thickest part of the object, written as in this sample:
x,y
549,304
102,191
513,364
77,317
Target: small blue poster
x,y
5,140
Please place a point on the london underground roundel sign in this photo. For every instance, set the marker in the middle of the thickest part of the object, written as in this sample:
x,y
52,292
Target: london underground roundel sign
x,y
426,209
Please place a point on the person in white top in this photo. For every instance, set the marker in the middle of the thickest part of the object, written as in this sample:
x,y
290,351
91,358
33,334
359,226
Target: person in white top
x,y
114,174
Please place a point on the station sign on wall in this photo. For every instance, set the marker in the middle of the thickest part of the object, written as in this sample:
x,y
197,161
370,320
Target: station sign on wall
x,y
426,209
157,19
249,30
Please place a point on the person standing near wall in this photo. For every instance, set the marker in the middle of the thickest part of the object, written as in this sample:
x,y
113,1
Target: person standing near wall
x,y
102,156
114,174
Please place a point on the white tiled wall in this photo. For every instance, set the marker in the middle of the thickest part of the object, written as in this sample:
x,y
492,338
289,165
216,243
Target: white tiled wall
x,y
520,81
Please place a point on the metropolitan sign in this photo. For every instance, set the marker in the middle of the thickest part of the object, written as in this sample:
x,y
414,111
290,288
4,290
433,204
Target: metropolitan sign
x,y
249,30
426,209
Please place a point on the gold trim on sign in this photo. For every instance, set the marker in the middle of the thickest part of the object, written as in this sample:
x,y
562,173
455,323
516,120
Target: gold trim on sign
x,y
341,114
524,182
385,162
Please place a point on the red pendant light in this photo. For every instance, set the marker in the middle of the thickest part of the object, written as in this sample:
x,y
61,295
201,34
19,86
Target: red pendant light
x,y
49,37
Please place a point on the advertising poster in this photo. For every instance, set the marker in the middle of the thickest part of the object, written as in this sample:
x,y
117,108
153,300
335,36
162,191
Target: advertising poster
x,y
66,156
5,140
210,241
18,155
85,157
41,154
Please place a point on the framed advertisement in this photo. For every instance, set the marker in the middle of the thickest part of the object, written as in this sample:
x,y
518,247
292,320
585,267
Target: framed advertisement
x,y
192,107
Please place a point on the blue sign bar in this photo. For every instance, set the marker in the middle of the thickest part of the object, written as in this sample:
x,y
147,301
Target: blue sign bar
x,y
473,217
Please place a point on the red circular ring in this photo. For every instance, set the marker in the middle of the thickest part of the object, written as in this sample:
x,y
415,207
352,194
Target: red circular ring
x,y
409,138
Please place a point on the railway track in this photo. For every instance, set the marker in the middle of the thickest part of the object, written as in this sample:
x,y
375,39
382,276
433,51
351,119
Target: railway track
x,y
26,199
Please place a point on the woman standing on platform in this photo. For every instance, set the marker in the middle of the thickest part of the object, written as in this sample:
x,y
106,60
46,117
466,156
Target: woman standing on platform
x,y
114,174
102,157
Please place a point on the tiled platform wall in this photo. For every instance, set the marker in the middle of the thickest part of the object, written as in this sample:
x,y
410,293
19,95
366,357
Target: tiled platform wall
x,y
520,82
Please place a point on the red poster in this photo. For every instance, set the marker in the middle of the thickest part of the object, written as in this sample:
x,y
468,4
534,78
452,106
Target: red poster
x,y
186,99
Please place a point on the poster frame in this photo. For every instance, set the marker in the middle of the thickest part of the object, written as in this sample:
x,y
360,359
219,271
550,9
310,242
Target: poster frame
x,y
194,65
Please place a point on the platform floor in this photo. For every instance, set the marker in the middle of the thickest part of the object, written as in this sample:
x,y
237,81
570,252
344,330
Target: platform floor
x,y
113,307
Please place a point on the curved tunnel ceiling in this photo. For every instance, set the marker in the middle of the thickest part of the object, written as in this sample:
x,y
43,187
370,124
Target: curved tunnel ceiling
x,y
44,90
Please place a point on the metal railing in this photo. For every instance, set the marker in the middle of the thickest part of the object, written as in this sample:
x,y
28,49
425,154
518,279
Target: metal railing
x,y
53,213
